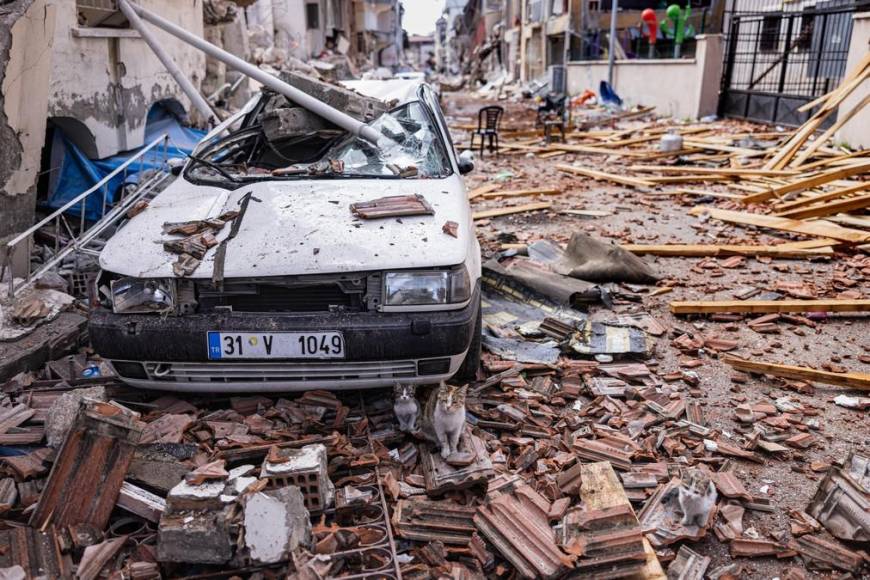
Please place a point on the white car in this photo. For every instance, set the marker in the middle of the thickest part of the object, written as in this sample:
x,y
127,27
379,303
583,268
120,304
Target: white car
x,y
299,292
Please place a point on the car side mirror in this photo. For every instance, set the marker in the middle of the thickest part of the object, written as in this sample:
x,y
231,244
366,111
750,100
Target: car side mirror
x,y
176,164
466,162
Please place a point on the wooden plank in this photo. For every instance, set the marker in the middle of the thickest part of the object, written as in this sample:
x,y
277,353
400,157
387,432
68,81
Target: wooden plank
x,y
710,306
688,178
697,250
595,150
600,175
520,192
808,182
842,118
479,215
832,160
482,189
742,151
822,197
141,502
851,220
685,191
550,154
840,206
791,147
860,381
600,489
819,228
714,170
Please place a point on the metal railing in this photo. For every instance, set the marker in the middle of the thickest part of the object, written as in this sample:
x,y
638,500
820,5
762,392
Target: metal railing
x,y
77,241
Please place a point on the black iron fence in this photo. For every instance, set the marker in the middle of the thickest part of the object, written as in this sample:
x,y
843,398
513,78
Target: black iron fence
x,y
778,60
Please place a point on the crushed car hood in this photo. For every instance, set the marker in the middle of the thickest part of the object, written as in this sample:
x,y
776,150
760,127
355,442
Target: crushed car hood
x,y
299,227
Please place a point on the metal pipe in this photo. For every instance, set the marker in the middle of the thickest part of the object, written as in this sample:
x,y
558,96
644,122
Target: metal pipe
x,y
301,98
611,52
195,97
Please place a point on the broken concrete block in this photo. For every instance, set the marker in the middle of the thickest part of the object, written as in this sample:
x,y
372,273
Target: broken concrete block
x,y
291,122
185,496
197,537
359,107
304,468
276,524
157,469
63,412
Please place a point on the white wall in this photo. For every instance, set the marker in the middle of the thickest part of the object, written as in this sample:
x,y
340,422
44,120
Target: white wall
x,y
108,84
680,88
856,132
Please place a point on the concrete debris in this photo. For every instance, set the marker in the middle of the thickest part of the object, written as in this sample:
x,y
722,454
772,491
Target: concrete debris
x,y
276,524
304,468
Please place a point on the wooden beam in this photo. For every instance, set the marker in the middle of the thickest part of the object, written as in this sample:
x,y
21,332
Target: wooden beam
x,y
847,205
808,182
520,192
832,160
489,213
711,306
688,178
629,181
860,381
842,118
697,250
481,189
822,197
819,228
714,170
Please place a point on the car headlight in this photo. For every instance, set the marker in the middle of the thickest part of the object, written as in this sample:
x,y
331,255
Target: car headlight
x,y
426,288
138,295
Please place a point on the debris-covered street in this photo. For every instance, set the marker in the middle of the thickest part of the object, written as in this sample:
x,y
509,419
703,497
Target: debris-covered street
x,y
342,299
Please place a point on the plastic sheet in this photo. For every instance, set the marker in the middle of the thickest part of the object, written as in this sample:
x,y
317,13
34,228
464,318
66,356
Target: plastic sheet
x,y
77,173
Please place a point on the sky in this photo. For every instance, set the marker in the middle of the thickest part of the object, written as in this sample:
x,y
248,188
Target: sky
x,y
420,15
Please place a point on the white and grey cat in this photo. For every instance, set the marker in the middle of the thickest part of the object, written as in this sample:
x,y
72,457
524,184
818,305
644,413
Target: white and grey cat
x,y
444,418
405,407
696,496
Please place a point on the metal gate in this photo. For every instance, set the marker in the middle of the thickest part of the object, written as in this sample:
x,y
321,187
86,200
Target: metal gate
x,y
777,60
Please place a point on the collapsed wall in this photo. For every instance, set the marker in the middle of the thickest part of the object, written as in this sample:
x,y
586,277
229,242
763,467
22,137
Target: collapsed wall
x,y
26,33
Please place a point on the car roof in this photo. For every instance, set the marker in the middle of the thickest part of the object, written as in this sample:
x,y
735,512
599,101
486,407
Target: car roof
x,y
401,90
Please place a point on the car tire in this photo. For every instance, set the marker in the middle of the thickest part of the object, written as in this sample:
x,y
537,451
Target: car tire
x,y
468,371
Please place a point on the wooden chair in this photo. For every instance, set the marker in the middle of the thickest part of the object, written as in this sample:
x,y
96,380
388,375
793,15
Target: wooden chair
x,y
487,127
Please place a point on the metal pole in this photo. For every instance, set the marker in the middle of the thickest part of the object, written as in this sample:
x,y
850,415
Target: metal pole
x,y
611,52
301,98
196,99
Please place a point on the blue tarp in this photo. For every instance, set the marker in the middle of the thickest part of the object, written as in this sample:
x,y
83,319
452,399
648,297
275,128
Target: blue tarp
x,y
77,173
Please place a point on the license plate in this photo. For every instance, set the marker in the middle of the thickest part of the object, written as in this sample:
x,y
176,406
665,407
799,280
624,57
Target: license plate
x,y
275,345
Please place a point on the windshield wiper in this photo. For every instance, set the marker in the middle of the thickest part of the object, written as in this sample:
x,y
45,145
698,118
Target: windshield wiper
x,y
216,167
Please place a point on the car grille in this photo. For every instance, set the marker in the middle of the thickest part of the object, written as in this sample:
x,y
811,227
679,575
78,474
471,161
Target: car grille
x,y
269,298
222,372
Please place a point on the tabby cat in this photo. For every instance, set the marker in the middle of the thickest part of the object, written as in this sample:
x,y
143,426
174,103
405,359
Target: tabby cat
x,y
444,417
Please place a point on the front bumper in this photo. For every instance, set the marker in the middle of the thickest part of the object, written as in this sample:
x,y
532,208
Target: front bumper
x,y
171,353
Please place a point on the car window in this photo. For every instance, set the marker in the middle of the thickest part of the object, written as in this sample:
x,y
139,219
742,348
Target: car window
x,y
411,147
411,143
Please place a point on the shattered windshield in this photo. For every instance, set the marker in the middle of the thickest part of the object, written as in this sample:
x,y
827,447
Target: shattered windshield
x,y
410,147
